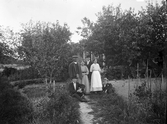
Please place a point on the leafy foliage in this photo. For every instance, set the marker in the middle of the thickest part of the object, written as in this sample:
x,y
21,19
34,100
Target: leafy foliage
x,y
9,71
15,108
127,38
45,47
142,92
150,105
22,84
62,108
143,110
28,73
54,108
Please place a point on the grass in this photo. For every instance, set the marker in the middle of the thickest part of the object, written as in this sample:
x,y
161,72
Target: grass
x,y
35,91
44,103
113,109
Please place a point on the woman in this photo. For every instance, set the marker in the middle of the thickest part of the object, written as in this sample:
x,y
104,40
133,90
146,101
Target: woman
x,y
85,80
96,83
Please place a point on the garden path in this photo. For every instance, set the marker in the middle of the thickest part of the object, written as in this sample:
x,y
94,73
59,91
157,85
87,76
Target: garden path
x,y
85,110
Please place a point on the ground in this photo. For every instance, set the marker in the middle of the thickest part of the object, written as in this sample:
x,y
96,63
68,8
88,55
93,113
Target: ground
x,y
85,110
90,111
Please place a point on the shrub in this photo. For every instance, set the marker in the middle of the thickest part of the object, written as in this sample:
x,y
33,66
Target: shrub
x,y
22,84
113,108
56,108
62,108
40,105
142,92
8,71
113,74
14,107
35,91
150,106
28,73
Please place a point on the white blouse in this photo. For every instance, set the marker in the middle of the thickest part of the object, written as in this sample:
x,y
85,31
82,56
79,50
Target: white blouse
x,y
95,67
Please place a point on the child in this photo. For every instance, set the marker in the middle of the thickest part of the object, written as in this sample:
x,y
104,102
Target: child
x,y
107,87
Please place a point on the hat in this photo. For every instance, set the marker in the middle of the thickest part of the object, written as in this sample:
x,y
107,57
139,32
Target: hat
x,y
74,77
105,79
74,56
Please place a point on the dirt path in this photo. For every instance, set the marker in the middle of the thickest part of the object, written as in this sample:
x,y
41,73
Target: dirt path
x,y
85,109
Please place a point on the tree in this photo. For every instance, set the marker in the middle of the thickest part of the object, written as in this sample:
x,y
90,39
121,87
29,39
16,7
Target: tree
x,y
45,47
127,38
152,36
8,45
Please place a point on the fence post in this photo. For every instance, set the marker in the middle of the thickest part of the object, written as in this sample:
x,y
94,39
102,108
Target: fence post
x,y
147,75
128,89
54,85
137,74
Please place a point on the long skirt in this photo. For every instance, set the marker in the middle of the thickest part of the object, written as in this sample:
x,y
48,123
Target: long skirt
x,y
96,83
85,81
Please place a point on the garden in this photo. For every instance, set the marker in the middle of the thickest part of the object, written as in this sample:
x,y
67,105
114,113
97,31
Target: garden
x,y
131,49
37,104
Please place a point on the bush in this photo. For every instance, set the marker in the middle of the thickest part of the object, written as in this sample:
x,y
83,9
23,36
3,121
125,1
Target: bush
x,y
143,110
64,75
35,91
150,106
57,108
40,105
14,74
113,74
22,84
142,92
28,73
8,71
14,107
113,108
62,108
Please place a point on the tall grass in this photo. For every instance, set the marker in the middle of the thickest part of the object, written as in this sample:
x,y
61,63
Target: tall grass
x,y
52,107
143,107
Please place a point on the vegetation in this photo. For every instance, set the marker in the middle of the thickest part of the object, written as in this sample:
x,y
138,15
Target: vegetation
x,y
44,47
134,45
15,108
143,107
36,104
52,107
127,38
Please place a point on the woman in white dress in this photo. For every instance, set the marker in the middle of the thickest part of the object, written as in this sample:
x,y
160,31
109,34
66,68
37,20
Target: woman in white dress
x,y
96,83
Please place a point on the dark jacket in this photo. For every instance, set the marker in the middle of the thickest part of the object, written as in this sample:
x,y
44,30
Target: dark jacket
x,y
74,69
90,73
108,88
72,89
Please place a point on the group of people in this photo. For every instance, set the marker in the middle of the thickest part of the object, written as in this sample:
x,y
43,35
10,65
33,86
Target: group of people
x,y
85,78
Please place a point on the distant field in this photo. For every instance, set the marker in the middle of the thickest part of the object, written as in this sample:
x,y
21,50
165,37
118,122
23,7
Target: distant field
x,y
121,86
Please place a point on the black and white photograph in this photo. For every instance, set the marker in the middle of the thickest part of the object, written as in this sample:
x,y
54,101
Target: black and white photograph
x,y
83,61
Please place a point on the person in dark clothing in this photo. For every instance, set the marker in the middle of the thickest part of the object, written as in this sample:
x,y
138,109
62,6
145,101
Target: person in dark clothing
x,y
88,64
77,90
107,87
75,69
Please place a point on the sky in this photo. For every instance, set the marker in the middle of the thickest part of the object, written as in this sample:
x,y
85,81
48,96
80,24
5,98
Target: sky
x,y
15,12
